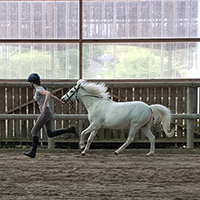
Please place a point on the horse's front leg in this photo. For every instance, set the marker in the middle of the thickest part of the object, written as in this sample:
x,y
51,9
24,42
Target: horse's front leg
x,y
89,141
83,134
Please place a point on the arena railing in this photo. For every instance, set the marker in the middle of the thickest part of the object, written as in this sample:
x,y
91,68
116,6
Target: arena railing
x,y
181,96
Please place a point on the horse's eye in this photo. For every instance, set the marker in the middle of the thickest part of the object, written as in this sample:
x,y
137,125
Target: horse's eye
x,y
71,91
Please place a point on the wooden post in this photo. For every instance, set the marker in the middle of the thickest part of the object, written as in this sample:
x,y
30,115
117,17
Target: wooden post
x,y
80,122
51,143
191,108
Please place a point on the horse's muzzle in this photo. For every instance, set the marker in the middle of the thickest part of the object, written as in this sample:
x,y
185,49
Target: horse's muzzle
x,y
64,99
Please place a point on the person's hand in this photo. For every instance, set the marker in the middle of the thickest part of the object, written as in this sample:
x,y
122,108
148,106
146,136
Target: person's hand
x,y
63,103
43,108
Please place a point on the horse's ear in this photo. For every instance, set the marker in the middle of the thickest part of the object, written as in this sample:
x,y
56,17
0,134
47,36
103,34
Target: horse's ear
x,y
80,81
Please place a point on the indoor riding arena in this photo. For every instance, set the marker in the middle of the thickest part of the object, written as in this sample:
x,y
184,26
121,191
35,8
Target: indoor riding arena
x,y
143,51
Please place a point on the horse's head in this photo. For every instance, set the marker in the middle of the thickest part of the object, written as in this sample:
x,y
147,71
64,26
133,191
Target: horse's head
x,y
73,92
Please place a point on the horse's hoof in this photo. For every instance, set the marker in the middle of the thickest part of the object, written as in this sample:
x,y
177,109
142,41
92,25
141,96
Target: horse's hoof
x,y
116,153
82,148
149,154
83,154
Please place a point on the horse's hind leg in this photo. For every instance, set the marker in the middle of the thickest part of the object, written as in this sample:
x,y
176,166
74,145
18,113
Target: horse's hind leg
x,y
146,130
132,132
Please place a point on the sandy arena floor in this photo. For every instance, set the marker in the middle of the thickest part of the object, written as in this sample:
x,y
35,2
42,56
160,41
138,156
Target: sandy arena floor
x,y
63,174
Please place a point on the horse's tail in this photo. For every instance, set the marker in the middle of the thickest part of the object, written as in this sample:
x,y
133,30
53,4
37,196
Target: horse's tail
x,y
162,114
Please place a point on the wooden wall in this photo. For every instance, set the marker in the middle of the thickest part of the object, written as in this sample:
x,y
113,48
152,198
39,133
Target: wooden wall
x,y
17,100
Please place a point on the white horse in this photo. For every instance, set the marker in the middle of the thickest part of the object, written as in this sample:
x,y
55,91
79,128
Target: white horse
x,y
102,111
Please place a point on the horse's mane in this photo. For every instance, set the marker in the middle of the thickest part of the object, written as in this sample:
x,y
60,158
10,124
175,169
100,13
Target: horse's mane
x,y
93,88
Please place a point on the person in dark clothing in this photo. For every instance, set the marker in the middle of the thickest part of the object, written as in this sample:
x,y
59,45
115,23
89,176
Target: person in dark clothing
x,y
42,97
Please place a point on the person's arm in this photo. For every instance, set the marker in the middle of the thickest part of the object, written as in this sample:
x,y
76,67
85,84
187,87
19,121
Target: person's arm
x,y
56,98
47,95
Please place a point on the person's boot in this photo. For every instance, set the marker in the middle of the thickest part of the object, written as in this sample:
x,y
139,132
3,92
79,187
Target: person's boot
x,y
32,153
61,131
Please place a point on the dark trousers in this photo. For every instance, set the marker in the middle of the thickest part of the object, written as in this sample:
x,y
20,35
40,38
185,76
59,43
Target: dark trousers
x,y
44,119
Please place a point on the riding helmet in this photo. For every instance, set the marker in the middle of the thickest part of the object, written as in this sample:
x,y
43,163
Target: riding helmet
x,y
35,78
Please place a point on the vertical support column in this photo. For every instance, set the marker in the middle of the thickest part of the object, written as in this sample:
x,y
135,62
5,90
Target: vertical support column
x,y
80,38
51,143
80,122
191,108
